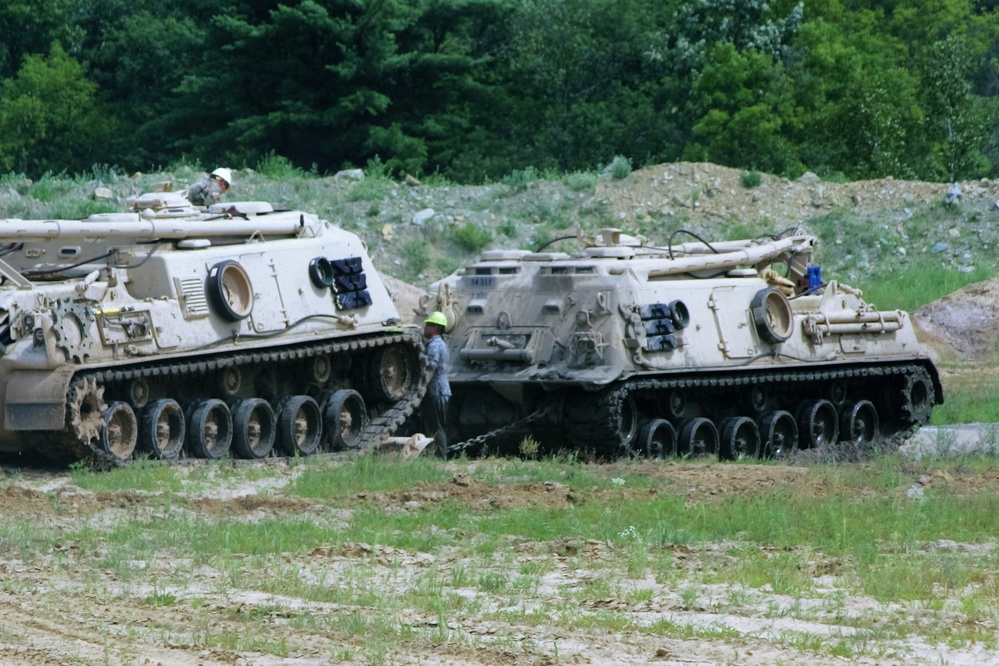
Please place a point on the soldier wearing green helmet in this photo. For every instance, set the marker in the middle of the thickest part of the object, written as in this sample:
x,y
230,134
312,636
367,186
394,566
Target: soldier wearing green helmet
x,y
433,411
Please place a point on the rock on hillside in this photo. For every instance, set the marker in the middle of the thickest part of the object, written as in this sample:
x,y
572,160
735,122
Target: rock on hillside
x,y
706,192
963,325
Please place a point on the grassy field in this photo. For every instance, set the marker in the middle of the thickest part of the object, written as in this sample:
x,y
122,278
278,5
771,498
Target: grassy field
x,y
370,561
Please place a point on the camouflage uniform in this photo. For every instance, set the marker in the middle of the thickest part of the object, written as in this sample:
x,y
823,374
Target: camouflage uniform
x,y
205,192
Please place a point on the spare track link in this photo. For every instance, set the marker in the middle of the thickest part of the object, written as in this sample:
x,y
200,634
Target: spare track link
x,y
378,429
599,420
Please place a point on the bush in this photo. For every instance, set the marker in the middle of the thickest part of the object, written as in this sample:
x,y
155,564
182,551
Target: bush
x,y
277,167
751,179
415,258
619,168
519,179
580,181
471,238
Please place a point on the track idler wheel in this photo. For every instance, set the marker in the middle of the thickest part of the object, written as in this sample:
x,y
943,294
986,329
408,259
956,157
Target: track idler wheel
x,y
740,438
859,423
345,418
627,425
299,426
392,372
121,430
161,430
253,428
656,439
918,397
209,429
818,424
778,434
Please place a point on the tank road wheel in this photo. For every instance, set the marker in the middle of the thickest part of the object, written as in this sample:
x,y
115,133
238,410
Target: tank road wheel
x,y
778,434
772,315
656,439
392,372
818,424
85,410
253,428
230,290
345,418
859,423
121,430
209,429
162,427
740,438
698,437
299,426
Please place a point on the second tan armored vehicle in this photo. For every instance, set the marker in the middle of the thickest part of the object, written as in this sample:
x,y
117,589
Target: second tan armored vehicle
x,y
737,348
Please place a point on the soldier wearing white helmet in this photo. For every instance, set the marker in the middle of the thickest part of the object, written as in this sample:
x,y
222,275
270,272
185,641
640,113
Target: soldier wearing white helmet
x,y
210,190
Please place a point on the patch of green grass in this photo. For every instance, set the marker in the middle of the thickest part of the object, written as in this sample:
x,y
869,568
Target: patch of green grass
x,y
508,228
415,258
912,286
471,237
970,400
580,181
377,184
366,473
144,475
50,187
519,179
278,167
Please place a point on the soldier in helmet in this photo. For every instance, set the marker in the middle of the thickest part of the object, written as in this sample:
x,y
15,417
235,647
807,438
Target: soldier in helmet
x,y
210,190
434,407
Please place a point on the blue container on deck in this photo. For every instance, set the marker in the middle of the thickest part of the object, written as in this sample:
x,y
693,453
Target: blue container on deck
x,y
814,274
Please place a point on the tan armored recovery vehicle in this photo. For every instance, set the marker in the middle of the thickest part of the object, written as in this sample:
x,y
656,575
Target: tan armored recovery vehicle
x,y
627,349
170,331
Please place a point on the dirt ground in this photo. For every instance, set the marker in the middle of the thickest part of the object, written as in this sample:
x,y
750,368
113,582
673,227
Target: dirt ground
x,y
64,605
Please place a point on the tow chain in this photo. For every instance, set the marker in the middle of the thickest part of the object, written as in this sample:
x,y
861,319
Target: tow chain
x,y
510,427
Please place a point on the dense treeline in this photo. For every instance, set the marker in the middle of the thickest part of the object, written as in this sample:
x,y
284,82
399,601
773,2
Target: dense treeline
x,y
473,89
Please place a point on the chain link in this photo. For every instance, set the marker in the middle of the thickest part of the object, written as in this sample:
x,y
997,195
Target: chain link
x,y
511,427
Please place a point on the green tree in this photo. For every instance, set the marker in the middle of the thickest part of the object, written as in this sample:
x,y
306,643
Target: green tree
x,y
743,103
956,120
50,117
29,27
579,74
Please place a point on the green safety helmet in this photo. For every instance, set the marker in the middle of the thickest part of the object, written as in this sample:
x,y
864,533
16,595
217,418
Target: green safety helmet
x,y
437,318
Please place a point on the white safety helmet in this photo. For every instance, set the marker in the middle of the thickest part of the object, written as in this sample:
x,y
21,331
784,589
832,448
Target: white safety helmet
x,y
223,174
